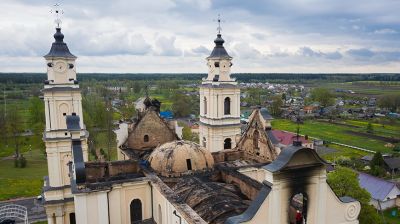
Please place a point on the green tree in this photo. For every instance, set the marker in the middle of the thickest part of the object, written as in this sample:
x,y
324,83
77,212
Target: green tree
x,y
390,101
127,110
276,105
187,133
254,96
344,182
37,114
377,165
182,105
323,96
14,126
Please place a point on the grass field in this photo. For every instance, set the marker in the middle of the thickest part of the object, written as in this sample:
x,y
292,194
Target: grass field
x,y
387,130
365,87
342,151
22,182
332,132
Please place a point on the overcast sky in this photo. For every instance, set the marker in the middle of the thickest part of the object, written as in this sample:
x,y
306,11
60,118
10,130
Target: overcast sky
x,y
176,35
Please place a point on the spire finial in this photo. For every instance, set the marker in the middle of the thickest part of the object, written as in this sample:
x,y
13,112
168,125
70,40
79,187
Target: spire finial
x,y
146,89
219,21
298,141
57,11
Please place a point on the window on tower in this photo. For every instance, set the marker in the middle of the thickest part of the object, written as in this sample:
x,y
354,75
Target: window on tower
x,y
228,143
146,138
205,105
227,106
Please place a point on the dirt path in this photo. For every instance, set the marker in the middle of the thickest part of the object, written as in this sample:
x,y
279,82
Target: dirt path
x,y
376,137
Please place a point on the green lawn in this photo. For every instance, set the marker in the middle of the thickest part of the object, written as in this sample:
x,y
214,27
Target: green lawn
x,y
362,88
331,132
22,182
342,151
386,130
34,142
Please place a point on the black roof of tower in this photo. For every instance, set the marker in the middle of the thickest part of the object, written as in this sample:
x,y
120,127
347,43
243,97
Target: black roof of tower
x,y
59,48
219,50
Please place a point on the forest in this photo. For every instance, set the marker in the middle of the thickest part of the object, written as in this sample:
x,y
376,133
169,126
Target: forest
x,y
196,77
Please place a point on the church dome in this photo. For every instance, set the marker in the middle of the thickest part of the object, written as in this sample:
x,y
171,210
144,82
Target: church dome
x,y
178,158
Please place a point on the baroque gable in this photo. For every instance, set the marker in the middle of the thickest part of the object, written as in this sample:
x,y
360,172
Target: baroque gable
x,y
149,132
255,142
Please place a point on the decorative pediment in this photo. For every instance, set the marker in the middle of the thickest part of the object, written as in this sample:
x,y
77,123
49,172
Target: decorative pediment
x,y
295,157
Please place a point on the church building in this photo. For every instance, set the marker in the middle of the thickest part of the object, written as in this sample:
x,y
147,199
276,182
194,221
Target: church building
x,y
228,178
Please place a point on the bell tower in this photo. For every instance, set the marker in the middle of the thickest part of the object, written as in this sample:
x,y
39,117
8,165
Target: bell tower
x,y
62,97
219,101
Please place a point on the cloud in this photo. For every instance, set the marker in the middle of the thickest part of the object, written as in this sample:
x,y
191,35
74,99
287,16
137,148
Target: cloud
x,y
374,56
294,35
385,31
115,43
308,52
360,53
246,51
198,51
166,46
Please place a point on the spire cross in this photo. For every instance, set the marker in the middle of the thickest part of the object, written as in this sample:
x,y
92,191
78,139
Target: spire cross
x,y
146,89
219,21
57,11
298,126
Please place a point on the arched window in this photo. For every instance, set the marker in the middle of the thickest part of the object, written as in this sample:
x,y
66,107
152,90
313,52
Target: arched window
x,y
298,208
205,105
228,143
159,215
72,219
227,106
256,137
146,138
204,142
136,211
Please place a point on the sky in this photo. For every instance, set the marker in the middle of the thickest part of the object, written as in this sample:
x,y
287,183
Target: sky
x,y
175,36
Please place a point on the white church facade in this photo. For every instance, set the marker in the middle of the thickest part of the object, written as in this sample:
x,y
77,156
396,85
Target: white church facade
x,y
165,180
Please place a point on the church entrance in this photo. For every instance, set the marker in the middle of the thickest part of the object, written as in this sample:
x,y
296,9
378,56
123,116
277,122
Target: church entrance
x,y
298,209
136,211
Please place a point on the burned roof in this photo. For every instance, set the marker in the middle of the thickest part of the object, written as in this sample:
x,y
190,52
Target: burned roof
x,y
213,201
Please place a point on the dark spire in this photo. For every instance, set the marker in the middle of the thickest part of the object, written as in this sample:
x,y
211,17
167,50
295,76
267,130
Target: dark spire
x,y
219,50
298,142
59,48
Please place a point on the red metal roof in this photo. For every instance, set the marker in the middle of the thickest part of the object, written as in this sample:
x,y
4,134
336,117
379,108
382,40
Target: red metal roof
x,y
287,138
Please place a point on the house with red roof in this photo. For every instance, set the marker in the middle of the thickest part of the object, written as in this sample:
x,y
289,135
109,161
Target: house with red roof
x,y
285,138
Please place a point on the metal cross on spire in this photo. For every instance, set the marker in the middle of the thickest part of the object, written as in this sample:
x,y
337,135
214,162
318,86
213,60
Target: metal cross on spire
x,y
298,120
146,89
219,21
57,12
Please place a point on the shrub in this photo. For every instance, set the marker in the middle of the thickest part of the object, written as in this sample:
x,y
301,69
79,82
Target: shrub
x,y
22,161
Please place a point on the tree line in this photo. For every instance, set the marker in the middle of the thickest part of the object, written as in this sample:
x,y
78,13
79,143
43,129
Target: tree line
x,y
242,77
